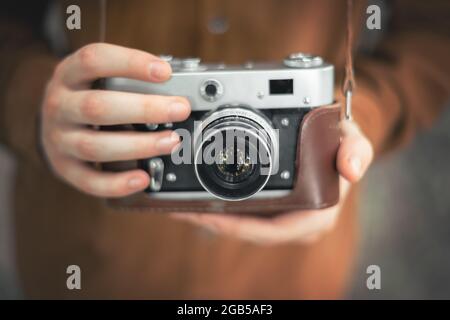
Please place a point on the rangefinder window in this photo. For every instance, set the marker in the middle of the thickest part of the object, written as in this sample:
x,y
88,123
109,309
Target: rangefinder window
x,y
281,86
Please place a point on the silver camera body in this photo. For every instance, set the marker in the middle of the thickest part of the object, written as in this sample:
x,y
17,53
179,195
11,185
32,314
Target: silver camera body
x,y
252,84
271,98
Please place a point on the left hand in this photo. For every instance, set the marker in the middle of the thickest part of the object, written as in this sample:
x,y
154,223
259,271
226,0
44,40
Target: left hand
x,y
354,157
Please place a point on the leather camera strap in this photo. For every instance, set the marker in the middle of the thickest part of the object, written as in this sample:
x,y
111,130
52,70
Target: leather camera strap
x,y
349,80
102,21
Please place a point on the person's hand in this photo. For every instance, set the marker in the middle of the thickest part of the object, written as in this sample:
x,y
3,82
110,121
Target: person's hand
x,y
70,107
354,156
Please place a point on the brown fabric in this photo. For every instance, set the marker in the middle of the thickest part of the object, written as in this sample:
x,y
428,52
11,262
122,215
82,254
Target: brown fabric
x,y
314,167
402,86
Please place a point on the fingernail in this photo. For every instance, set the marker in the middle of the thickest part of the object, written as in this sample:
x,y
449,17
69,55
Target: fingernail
x,y
355,164
166,144
158,70
135,183
177,111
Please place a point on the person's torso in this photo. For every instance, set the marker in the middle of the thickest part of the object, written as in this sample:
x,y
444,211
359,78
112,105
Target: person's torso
x,y
229,31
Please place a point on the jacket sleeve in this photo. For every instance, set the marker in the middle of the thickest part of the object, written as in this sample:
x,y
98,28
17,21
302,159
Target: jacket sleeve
x,y
404,84
26,64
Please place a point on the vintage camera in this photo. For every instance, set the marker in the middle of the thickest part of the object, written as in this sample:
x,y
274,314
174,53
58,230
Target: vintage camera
x,y
246,118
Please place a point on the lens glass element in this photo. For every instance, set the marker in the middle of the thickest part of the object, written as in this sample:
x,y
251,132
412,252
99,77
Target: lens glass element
x,y
234,165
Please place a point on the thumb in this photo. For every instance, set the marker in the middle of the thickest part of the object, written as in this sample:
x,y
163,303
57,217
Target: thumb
x,y
355,152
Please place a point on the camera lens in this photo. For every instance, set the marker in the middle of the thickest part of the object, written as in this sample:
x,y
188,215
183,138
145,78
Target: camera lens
x,y
234,154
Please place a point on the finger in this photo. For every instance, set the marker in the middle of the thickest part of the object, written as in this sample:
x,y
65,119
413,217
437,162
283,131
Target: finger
x,y
101,60
312,238
344,188
355,152
101,184
285,228
104,146
255,232
98,107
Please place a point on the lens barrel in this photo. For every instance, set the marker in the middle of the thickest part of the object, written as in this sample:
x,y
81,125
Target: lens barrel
x,y
234,152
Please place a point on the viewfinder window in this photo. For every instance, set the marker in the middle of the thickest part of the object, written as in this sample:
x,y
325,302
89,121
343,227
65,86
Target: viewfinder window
x,y
281,86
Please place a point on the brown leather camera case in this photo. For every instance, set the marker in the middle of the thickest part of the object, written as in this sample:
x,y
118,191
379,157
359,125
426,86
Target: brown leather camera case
x,y
316,184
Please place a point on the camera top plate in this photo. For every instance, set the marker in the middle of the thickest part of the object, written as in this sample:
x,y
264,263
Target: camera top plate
x,y
300,81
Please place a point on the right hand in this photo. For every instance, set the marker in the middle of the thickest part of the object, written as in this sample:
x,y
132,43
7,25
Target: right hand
x,y
70,106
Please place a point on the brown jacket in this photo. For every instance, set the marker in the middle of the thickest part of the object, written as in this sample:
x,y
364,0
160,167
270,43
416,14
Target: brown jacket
x,y
402,84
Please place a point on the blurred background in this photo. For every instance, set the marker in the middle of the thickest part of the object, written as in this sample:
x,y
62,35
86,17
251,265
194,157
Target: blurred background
x,y
404,218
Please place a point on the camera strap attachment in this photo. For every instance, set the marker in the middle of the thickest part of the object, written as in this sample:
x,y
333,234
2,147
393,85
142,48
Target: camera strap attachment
x,y
349,80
